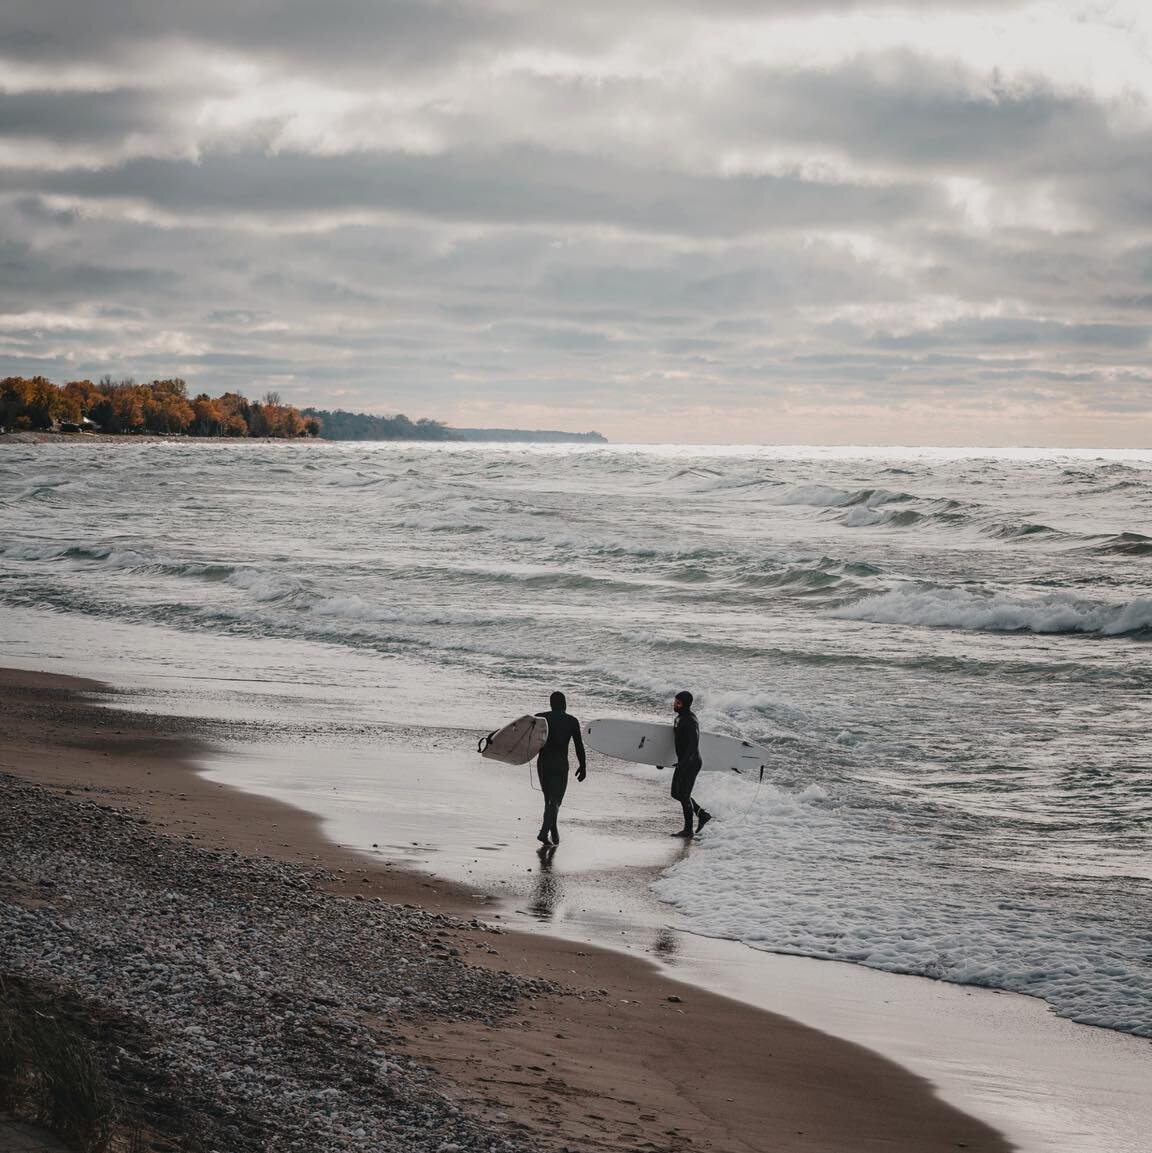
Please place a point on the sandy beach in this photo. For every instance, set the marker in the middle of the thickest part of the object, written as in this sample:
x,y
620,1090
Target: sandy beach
x,y
623,1057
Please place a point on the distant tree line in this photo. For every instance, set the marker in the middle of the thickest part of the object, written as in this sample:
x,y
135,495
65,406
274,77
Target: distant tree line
x,y
341,425
160,407
530,435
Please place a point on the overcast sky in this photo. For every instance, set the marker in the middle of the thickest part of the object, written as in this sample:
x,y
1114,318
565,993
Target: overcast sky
x,y
695,220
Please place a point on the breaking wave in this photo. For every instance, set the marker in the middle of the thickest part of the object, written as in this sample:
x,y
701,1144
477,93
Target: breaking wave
x,y
993,612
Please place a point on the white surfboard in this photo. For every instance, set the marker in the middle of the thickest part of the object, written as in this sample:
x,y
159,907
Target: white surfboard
x,y
650,744
517,742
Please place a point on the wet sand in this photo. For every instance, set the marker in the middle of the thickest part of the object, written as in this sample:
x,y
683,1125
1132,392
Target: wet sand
x,y
638,1061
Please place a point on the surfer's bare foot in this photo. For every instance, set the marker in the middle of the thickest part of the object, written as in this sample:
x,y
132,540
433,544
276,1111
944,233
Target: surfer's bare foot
x,y
702,819
685,833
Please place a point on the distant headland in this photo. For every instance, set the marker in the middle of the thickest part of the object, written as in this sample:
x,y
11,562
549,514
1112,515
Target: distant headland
x,y
117,408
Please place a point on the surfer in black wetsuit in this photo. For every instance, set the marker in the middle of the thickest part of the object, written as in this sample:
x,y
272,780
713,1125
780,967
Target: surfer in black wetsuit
x,y
552,763
686,733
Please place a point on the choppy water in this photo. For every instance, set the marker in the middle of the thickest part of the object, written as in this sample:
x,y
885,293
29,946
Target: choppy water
x,y
947,653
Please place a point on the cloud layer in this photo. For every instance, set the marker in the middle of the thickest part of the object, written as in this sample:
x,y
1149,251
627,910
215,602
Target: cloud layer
x,y
720,221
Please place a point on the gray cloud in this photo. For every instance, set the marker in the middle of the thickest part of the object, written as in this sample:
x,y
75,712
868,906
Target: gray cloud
x,y
522,185
448,208
1024,333
389,33
901,109
95,117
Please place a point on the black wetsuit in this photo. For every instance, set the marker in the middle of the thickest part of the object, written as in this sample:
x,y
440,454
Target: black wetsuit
x,y
686,732
552,765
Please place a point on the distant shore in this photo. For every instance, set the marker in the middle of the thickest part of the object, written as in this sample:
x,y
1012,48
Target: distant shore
x,y
568,1046
143,438
499,436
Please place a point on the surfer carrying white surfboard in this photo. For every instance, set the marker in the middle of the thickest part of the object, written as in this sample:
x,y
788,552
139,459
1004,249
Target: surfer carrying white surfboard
x,y
686,733
552,763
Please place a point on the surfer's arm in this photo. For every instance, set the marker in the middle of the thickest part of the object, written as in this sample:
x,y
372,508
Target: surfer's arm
x,y
578,741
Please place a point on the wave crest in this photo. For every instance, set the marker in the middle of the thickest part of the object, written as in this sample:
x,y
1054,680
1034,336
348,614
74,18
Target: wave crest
x,y
995,612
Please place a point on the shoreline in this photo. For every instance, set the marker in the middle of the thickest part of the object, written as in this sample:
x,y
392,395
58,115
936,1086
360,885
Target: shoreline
x,y
617,1060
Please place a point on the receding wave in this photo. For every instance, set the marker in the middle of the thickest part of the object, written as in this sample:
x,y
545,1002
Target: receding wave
x,y
977,519
994,612
570,581
697,473
108,555
1123,544
689,574
1122,486
865,516
462,527
39,488
804,578
826,575
646,552
261,585
355,608
1018,531
825,496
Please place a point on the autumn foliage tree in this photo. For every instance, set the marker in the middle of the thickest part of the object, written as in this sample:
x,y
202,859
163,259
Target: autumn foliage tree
x,y
81,396
34,403
166,407
162,406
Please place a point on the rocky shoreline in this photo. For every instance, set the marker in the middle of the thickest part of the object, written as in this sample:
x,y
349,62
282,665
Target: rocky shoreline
x,y
242,1005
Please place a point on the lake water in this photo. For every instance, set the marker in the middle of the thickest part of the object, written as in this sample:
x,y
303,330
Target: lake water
x,y
945,651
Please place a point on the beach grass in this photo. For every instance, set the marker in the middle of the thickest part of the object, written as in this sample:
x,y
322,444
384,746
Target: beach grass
x,y
51,1073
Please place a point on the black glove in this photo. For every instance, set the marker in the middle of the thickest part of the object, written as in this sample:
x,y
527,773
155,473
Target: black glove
x,y
581,773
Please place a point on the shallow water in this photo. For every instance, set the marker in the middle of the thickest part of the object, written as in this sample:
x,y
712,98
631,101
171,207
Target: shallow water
x,y
945,651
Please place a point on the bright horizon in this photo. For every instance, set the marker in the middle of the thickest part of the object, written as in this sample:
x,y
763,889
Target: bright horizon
x,y
806,223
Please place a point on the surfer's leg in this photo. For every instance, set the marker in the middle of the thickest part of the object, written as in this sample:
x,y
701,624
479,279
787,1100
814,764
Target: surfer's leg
x,y
691,808
682,780
559,788
546,822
